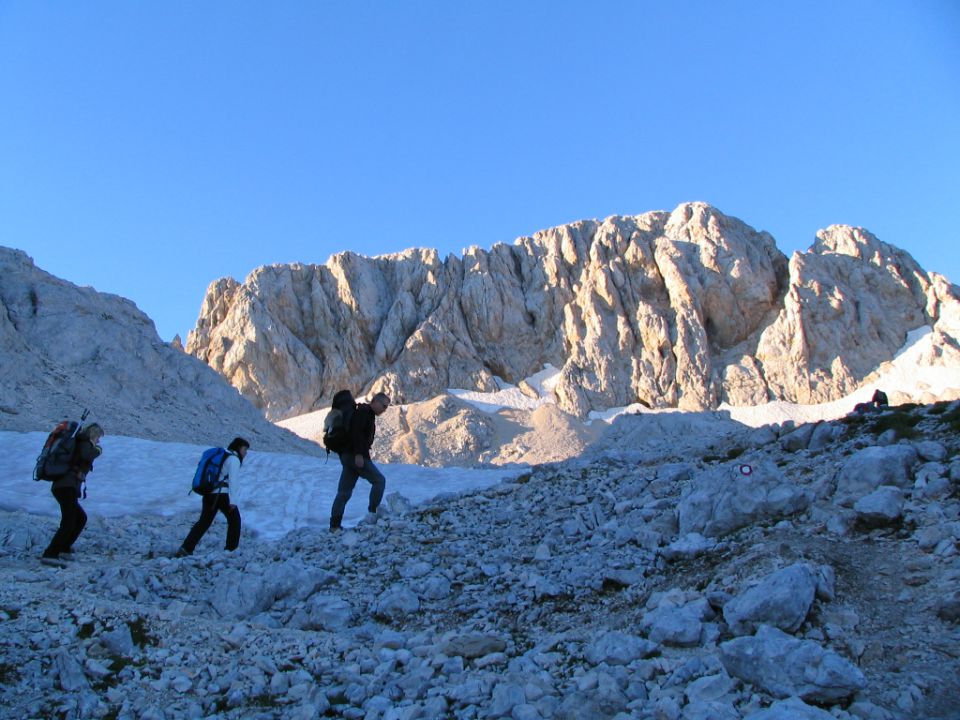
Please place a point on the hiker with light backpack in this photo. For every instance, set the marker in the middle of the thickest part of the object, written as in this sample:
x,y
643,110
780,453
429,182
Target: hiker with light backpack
x,y
352,442
67,459
217,472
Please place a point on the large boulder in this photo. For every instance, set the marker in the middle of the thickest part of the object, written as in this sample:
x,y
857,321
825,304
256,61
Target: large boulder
x,y
727,497
679,626
871,467
785,666
882,507
781,600
239,595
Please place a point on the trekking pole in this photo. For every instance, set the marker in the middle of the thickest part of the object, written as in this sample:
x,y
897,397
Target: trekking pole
x,y
83,416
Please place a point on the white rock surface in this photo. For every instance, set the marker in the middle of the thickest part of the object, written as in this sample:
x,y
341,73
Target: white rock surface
x,y
684,309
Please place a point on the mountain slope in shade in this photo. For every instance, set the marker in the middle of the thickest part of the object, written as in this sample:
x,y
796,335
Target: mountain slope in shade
x,y
65,348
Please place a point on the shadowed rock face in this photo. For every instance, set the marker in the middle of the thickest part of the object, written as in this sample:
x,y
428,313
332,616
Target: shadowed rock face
x,y
64,348
685,309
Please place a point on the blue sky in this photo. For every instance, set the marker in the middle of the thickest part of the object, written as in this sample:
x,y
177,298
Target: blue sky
x,y
147,149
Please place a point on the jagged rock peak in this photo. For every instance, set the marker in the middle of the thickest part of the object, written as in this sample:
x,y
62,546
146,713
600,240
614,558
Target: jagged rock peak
x,y
685,309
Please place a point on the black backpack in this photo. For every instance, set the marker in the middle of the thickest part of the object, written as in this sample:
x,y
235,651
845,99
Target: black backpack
x,y
57,453
336,426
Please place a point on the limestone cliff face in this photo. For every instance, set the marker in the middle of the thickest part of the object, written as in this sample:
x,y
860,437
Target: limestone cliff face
x,y
684,309
64,348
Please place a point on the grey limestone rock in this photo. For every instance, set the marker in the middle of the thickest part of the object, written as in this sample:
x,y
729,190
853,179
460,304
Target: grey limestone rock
x,y
473,645
790,709
871,467
678,626
724,499
70,675
710,688
119,641
687,309
396,602
799,439
782,600
823,435
324,612
241,595
948,607
689,546
65,346
931,450
618,648
882,507
785,666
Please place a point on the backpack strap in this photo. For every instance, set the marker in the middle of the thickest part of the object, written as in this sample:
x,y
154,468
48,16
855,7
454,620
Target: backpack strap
x,y
222,483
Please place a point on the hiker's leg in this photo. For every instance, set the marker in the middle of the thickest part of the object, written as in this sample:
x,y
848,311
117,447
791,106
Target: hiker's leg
x,y
348,480
232,514
378,483
79,523
207,513
67,500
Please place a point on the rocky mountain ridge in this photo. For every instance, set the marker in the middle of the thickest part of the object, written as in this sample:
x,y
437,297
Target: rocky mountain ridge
x,y
671,573
684,309
65,348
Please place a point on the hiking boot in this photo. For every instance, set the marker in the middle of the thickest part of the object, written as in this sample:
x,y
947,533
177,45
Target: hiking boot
x,y
52,561
370,519
68,555
182,552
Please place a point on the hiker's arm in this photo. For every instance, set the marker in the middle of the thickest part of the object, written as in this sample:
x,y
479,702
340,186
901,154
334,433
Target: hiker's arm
x,y
88,452
359,431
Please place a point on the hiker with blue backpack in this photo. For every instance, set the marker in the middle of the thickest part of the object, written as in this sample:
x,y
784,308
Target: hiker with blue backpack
x,y
83,448
219,470
361,427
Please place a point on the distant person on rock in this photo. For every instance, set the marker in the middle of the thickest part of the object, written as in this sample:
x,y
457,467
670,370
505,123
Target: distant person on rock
x,y
879,398
219,501
67,491
356,461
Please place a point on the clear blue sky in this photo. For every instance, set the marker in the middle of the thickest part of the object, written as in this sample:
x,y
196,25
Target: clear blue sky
x,y
148,148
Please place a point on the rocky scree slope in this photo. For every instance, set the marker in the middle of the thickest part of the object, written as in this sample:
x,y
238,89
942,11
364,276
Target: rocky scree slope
x,y
783,572
687,309
64,348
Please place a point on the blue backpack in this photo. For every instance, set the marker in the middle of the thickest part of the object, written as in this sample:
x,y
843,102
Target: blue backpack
x,y
207,478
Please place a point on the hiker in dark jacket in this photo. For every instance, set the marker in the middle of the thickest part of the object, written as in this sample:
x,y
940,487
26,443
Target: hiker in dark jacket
x,y
67,491
219,501
356,461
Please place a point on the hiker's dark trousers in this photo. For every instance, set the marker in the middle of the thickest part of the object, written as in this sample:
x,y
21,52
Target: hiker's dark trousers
x,y
211,504
72,521
348,480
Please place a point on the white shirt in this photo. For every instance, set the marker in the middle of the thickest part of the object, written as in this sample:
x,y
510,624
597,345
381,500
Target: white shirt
x,y
230,473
